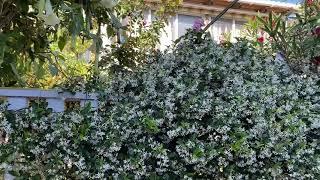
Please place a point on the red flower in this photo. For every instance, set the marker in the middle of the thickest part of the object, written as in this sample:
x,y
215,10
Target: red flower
x,y
309,2
260,39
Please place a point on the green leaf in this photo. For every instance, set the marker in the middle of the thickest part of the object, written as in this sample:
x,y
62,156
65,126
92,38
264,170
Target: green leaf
x,y
299,18
53,70
61,57
261,20
14,173
115,21
283,27
40,71
270,19
197,153
151,125
278,23
110,31
2,50
15,71
62,41
23,5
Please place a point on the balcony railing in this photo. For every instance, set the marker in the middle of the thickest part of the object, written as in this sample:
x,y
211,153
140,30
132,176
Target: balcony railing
x,y
59,101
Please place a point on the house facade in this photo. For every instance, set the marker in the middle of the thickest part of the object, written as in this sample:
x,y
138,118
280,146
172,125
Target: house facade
x,y
231,22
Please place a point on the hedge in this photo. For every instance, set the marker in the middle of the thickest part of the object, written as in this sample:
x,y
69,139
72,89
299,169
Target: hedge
x,y
198,111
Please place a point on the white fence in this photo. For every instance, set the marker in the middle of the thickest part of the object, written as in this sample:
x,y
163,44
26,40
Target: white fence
x,y
58,101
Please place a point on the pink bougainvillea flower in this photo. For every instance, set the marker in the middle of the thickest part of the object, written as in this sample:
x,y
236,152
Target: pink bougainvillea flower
x,y
260,39
309,2
198,23
270,39
316,31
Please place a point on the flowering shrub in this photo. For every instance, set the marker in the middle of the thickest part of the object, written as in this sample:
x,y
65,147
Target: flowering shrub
x,y
202,111
296,35
209,112
43,145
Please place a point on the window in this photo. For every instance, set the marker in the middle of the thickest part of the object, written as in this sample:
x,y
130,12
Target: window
x,y
149,16
220,27
185,22
238,28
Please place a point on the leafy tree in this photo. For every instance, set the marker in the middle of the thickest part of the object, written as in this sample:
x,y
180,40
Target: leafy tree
x,y
140,38
28,27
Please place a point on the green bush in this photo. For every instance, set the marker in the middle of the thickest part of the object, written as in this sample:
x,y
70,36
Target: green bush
x,y
201,111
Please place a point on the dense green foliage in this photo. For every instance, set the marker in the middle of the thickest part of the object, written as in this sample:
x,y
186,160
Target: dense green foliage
x,y
196,111
295,35
199,111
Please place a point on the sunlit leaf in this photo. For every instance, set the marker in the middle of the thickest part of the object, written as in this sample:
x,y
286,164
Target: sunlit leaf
x,y
62,41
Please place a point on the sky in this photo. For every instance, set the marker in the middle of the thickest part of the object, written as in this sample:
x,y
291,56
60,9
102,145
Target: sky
x,y
293,1
289,1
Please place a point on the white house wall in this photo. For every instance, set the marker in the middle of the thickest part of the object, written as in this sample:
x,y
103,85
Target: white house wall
x,y
178,24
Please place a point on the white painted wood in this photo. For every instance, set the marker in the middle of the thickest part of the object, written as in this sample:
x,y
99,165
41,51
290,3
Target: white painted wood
x,y
176,28
44,94
268,3
19,98
8,176
215,8
17,103
166,35
233,31
149,16
57,105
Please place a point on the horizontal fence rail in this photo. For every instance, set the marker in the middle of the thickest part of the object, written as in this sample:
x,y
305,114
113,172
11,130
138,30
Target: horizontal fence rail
x,y
57,100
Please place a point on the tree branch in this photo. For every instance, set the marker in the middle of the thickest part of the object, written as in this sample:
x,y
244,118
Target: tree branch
x,y
7,14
